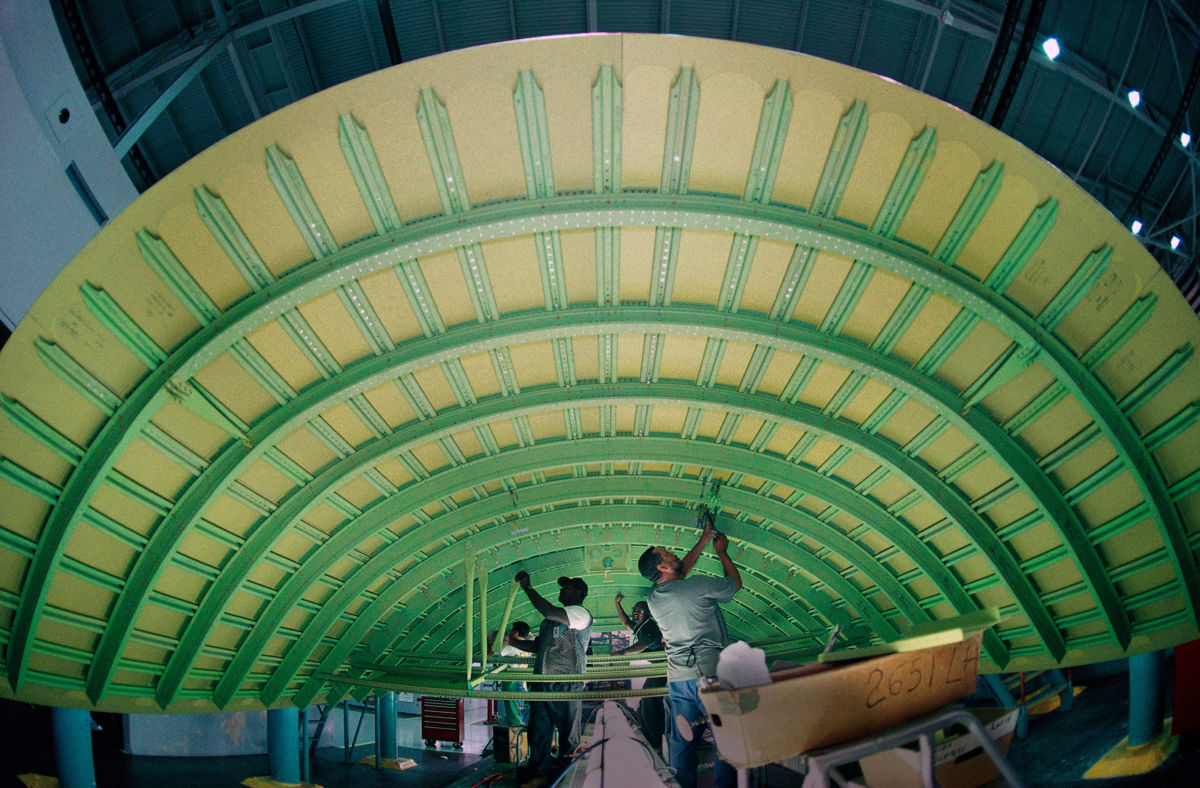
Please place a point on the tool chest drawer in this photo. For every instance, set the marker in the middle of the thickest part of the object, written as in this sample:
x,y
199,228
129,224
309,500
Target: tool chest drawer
x,y
442,720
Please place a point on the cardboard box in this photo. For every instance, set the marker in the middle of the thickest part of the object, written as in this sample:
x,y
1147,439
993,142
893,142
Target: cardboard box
x,y
959,760
821,704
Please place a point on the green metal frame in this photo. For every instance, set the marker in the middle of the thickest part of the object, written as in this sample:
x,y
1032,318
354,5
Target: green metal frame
x,y
542,215
741,326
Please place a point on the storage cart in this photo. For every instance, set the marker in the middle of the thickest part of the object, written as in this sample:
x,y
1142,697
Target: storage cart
x,y
442,720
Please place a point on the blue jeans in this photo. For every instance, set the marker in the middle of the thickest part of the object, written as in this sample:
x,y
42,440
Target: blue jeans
x,y
685,700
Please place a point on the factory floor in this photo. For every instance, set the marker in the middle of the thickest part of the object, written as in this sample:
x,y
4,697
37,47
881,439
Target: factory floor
x,y
1058,749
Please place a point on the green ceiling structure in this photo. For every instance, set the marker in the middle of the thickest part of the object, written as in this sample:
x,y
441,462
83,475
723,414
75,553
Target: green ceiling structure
x,y
515,307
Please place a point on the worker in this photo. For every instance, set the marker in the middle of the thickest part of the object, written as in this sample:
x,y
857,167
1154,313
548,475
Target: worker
x,y
688,614
513,712
561,648
646,637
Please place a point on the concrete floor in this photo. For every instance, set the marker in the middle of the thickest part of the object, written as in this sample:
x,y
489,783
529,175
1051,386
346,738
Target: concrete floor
x,y
1063,745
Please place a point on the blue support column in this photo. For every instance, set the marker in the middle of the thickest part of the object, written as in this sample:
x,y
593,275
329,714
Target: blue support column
x,y
1148,746
1145,698
304,746
283,744
1068,695
73,748
387,725
378,735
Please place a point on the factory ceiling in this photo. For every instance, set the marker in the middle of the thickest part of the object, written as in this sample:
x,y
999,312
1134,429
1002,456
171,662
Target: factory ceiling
x,y
524,306
170,78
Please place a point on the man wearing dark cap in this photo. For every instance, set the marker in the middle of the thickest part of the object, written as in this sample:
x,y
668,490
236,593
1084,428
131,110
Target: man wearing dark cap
x,y
561,648
687,609
651,714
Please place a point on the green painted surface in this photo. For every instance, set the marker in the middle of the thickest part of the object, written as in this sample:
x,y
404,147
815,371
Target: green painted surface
x,y
929,376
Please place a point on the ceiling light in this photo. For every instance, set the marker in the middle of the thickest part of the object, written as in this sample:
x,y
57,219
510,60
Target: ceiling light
x,y
1135,98
1175,241
1136,226
1184,138
1051,48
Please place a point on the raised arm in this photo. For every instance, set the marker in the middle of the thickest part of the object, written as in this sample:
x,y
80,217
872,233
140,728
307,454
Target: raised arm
x,y
693,555
540,603
525,645
721,547
621,611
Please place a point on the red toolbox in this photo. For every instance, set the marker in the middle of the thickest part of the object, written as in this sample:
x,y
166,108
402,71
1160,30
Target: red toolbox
x,y
442,720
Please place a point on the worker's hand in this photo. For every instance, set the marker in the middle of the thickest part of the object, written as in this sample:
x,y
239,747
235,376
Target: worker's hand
x,y
523,579
721,544
617,599
709,532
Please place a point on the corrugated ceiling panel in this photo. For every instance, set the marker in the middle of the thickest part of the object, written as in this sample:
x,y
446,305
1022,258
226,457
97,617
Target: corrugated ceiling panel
x,y
373,30
194,114
262,60
711,20
415,30
161,144
1137,154
114,41
632,16
338,44
294,65
470,22
827,29
962,59
902,29
1088,124
287,38
769,22
1037,126
232,110
153,22
536,18
1156,74
1108,36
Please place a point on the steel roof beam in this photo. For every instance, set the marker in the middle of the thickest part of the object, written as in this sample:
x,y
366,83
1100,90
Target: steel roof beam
x,y
571,452
682,522
559,492
754,611
761,593
843,352
519,461
431,623
769,509
504,220
238,455
393,594
160,104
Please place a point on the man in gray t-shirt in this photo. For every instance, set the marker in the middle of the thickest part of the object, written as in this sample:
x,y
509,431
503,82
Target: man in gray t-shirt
x,y
693,627
687,612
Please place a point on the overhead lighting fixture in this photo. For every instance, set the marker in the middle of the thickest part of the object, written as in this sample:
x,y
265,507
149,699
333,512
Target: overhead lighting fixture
x,y
1175,241
1136,226
1051,48
1184,138
1135,98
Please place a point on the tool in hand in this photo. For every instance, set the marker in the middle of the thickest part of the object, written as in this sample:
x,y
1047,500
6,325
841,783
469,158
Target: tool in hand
x,y
706,516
